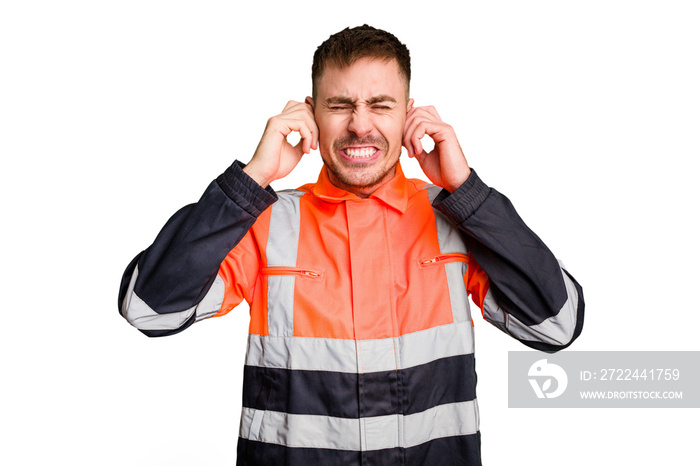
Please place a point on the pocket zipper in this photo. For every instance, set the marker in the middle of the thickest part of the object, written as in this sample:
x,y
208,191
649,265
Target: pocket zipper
x,y
290,271
445,258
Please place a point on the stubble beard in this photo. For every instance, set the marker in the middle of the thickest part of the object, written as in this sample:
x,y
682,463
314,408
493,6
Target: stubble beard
x,y
359,175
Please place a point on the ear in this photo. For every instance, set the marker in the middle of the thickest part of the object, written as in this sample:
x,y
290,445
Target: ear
x,y
310,102
409,105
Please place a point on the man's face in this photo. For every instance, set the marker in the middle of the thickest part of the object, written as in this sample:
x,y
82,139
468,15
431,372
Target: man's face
x,y
360,112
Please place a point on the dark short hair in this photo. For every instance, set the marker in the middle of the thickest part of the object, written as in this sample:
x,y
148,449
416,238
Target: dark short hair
x,y
344,48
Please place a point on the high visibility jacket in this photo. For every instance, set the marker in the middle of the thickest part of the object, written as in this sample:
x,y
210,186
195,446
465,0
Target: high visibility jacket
x,y
361,346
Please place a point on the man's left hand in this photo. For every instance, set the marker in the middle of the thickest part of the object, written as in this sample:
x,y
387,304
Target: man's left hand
x,y
445,165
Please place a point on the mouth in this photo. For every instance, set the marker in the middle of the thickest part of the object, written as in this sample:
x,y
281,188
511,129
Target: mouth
x,y
360,153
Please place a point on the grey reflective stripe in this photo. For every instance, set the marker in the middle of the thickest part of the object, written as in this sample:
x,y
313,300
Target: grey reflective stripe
x,y
377,433
377,355
254,425
281,251
436,343
441,421
315,354
327,354
458,291
450,241
140,315
211,304
283,239
449,237
557,330
433,191
364,434
280,305
299,430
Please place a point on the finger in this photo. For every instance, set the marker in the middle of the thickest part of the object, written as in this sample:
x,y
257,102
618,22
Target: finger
x,y
420,121
436,130
286,126
306,136
409,130
313,129
313,125
433,112
303,111
420,157
417,115
406,141
428,113
415,131
299,149
289,105
416,136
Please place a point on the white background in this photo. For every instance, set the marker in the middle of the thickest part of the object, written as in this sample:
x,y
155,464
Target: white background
x,y
115,114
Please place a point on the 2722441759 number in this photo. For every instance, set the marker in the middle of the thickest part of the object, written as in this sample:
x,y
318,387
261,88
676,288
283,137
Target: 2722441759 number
x,y
639,374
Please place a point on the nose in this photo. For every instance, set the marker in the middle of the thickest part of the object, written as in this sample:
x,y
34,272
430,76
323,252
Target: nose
x,y
360,123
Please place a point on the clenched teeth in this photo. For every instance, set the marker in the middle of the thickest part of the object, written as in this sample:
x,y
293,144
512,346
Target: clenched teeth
x,y
363,152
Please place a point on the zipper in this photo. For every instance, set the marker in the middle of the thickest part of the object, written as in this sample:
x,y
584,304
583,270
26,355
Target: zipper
x,y
290,271
445,258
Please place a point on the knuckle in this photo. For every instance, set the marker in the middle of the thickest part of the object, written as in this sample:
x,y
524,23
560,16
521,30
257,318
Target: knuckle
x,y
272,121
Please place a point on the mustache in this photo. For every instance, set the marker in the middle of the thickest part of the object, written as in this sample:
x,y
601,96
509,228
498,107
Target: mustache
x,y
378,141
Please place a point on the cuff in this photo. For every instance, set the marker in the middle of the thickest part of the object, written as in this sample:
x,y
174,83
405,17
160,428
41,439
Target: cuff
x,y
244,190
462,203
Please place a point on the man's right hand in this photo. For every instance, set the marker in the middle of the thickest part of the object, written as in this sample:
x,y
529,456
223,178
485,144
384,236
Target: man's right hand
x,y
275,158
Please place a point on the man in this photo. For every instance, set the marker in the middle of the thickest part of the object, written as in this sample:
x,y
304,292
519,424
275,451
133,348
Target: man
x,y
361,339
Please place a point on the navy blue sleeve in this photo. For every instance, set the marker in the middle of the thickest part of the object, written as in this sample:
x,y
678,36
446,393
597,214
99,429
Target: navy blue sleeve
x,y
531,297
172,284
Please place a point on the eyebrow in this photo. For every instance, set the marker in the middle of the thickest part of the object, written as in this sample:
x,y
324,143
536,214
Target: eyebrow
x,y
380,98
335,100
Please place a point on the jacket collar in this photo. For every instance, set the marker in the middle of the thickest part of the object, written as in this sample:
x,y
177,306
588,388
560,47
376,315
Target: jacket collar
x,y
394,193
